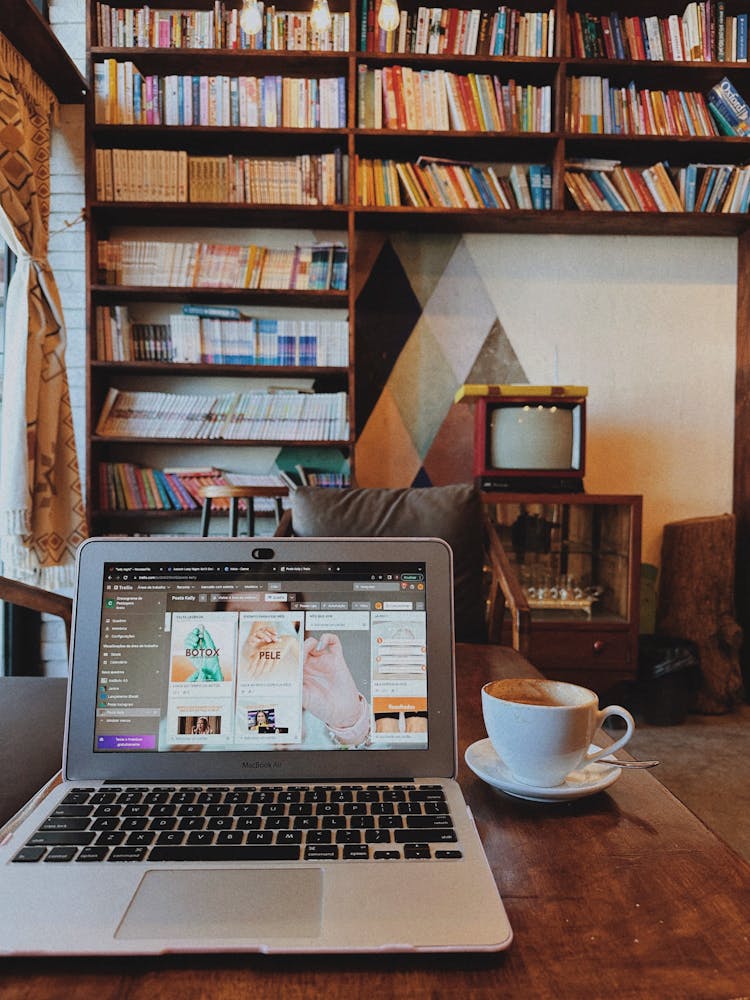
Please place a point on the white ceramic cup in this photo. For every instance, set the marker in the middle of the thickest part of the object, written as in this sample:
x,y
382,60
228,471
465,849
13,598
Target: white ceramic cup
x,y
542,730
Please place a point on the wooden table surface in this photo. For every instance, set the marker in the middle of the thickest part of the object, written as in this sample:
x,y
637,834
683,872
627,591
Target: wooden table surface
x,y
625,894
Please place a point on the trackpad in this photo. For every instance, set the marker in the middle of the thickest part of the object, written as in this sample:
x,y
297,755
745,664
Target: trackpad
x,y
244,903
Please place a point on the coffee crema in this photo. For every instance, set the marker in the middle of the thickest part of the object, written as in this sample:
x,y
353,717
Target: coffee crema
x,y
524,691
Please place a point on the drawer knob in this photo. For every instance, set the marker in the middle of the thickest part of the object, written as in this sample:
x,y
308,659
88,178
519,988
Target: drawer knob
x,y
599,645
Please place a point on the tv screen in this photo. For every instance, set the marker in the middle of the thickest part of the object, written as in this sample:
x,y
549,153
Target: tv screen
x,y
538,437
528,438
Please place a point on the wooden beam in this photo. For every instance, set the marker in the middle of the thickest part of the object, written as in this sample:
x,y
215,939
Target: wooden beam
x,y
742,448
27,31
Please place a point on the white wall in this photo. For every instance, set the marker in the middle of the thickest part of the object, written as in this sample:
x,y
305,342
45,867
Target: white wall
x,y
648,323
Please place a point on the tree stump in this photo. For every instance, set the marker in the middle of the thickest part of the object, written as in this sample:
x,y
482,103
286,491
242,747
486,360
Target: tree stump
x,y
696,602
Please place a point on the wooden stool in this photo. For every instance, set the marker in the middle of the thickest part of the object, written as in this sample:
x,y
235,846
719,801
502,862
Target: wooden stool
x,y
234,494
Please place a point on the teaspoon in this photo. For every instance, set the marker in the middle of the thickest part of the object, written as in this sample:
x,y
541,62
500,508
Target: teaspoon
x,y
629,763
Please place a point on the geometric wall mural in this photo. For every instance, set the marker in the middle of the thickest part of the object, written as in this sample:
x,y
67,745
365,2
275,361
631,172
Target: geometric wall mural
x,y
425,325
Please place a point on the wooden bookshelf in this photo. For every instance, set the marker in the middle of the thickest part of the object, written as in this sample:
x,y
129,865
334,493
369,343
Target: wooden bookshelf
x,y
27,31
348,217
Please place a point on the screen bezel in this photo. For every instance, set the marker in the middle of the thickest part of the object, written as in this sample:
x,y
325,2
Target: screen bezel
x,y
82,763
482,436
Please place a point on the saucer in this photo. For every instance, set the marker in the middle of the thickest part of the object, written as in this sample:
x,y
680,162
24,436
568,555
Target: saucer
x,y
486,764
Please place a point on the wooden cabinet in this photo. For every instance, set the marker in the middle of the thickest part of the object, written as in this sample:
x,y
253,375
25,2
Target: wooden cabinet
x,y
578,558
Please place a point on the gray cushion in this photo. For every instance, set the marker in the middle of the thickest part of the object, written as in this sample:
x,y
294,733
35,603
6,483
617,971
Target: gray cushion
x,y
453,513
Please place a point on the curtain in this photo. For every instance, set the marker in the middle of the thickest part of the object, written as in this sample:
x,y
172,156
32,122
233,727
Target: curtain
x,y
41,506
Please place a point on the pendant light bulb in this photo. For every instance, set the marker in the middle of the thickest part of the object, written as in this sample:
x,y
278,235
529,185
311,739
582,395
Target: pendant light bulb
x,y
320,16
251,17
388,15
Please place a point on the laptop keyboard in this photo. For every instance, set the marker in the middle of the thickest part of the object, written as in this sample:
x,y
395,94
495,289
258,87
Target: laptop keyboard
x,y
247,823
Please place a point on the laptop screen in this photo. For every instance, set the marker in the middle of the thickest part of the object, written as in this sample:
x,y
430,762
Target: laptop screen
x,y
262,656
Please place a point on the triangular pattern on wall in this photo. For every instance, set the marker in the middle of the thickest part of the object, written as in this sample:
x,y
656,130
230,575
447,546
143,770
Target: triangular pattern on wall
x,y
411,359
387,310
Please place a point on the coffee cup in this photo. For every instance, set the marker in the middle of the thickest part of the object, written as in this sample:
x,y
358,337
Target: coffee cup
x,y
542,729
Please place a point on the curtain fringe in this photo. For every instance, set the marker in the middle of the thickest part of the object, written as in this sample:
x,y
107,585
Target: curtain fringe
x,y
15,522
21,564
28,80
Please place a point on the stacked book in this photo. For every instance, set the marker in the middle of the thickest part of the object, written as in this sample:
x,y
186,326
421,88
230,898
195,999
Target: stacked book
x,y
596,106
125,96
176,176
219,28
441,183
453,31
608,186
221,335
321,267
403,98
287,415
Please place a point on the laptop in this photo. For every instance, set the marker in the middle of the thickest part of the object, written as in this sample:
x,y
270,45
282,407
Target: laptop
x,y
260,756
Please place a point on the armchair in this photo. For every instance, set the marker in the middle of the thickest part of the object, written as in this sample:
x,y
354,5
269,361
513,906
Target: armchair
x,y
484,581
26,595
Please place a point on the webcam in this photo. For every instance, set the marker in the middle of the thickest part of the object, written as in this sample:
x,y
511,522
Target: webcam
x,y
262,553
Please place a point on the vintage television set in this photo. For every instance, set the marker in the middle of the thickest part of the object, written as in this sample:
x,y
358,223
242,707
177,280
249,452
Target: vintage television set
x,y
528,438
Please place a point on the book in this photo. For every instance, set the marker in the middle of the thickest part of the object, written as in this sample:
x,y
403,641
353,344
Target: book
x,y
729,107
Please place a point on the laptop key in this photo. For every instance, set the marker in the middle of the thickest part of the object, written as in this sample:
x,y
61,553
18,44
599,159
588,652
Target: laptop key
x,y
174,837
356,852
230,837
30,854
425,836
127,854
61,838
65,823
386,855
73,810
235,852
321,852
318,836
92,854
417,852
378,837
61,854
290,836
442,819
449,855
110,838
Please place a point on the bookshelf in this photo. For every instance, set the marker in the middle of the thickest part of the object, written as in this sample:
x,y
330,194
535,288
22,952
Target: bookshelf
x,y
31,35
350,135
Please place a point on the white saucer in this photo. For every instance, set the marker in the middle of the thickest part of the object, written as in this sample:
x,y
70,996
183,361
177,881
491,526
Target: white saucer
x,y
486,764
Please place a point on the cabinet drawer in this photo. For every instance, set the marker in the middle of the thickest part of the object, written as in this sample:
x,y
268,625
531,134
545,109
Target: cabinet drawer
x,y
598,648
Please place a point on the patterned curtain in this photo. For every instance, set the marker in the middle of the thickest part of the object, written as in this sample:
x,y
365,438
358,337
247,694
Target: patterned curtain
x,y
41,506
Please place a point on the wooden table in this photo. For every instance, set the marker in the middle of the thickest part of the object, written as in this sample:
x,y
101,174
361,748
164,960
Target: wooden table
x,y
622,895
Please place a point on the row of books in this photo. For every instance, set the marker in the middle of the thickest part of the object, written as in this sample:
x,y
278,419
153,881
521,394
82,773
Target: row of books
x,y
438,183
454,31
176,176
704,32
130,486
219,28
125,96
399,97
221,335
192,264
608,186
286,415
595,105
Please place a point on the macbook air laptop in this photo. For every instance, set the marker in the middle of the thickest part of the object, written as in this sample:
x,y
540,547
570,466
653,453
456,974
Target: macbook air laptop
x,y
260,756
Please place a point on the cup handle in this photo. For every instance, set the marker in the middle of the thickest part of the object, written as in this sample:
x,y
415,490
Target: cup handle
x,y
605,713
